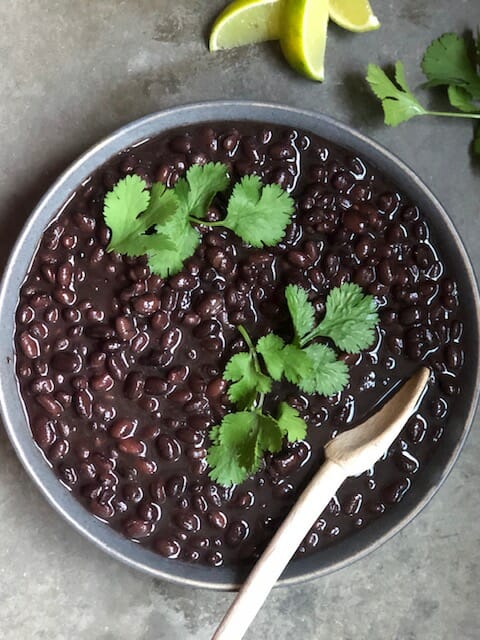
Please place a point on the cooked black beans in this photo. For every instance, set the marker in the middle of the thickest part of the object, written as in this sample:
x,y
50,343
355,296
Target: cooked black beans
x,y
121,370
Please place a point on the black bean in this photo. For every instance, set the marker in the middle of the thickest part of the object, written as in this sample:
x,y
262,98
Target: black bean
x,y
215,559
181,396
29,345
168,547
195,453
210,306
354,222
124,327
454,356
395,492
352,504
406,462
149,512
364,276
423,256
171,338
245,500
42,385
44,432
138,529
140,342
146,304
439,408
123,428
236,533
116,366
58,450
147,467
134,385
181,144
83,403
410,315
176,486
103,511
177,375
132,447
187,520
48,402
156,386
169,448
217,519
385,272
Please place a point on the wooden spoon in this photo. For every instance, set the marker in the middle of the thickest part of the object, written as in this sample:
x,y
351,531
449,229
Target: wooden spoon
x,y
349,454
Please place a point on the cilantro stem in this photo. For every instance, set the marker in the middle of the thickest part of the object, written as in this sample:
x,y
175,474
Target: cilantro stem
x,y
315,333
258,403
206,223
248,340
451,114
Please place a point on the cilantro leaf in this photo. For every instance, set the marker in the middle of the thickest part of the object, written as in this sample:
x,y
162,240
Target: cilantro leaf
x,y
247,380
461,99
296,363
329,375
270,347
122,208
184,239
130,211
162,254
301,311
350,319
200,185
258,214
162,207
238,445
291,424
399,104
447,62
234,449
283,360
270,434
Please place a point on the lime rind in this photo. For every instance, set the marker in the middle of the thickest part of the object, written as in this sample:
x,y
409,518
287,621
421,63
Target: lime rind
x,y
304,36
353,15
246,22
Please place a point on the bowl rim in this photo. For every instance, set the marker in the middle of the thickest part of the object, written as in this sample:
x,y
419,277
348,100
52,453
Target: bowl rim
x,y
49,207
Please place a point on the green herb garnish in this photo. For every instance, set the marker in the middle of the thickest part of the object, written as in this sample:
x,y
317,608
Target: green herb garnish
x,y
446,62
162,223
239,442
250,209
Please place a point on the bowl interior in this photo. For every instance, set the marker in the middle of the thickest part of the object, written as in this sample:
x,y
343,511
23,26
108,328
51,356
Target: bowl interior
x,y
345,551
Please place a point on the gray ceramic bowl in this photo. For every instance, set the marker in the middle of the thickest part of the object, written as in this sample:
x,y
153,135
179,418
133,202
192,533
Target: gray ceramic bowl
x,y
345,551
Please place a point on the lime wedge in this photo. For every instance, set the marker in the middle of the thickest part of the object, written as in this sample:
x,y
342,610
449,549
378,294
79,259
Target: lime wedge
x,y
304,35
354,15
244,22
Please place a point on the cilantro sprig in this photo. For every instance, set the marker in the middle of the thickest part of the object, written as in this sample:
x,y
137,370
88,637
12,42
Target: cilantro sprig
x,y
242,438
446,62
163,223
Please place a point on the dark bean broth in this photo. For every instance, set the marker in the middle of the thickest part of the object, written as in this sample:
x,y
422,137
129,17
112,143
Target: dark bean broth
x,y
120,371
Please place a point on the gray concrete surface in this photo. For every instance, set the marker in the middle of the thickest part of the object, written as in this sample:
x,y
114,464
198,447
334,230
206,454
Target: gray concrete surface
x,y
71,72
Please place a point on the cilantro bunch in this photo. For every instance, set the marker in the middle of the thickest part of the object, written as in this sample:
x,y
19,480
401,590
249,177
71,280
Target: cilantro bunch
x,y
446,62
162,223
239,442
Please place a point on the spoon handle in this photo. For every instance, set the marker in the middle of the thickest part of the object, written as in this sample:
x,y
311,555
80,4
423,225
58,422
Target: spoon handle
x,y
283,545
